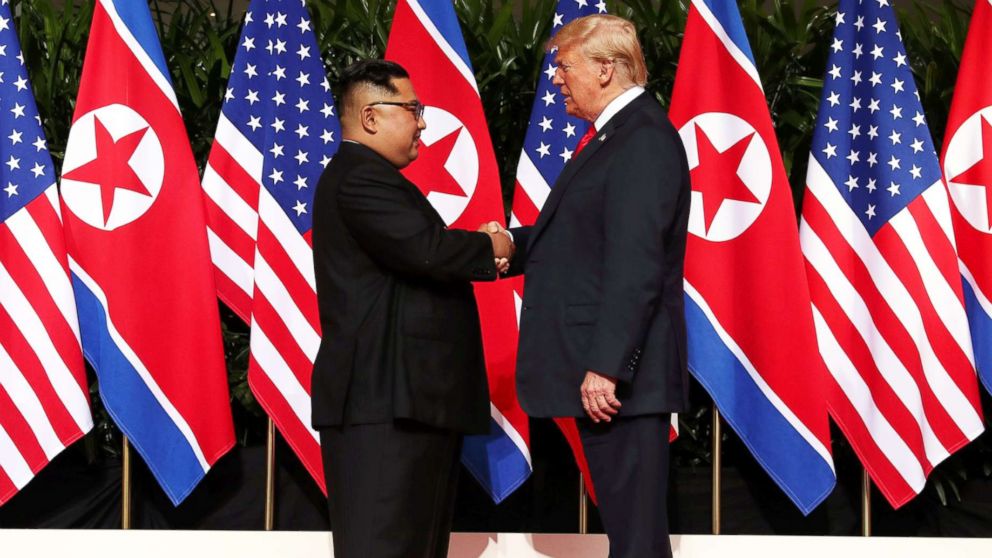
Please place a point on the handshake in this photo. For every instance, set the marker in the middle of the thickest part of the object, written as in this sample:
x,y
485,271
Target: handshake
x,y
503,246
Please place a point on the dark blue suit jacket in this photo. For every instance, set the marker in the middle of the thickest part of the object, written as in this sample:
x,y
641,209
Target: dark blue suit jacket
x,y
603,271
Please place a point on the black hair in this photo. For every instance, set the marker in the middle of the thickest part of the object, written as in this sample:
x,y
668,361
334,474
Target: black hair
x,y
369,73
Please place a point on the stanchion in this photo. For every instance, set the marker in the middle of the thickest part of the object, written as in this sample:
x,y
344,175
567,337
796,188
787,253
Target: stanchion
x,y
126,485
717,459
270,477
865,504
583,507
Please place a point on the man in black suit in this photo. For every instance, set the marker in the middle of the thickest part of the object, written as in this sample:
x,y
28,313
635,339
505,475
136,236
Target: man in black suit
x,y
400,375
602,330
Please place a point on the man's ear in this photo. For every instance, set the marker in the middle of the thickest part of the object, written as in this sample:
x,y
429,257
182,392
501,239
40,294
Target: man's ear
x,y
368,119
606,72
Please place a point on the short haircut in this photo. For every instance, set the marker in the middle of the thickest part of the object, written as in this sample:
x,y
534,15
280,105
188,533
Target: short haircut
x,y
377,75
606,38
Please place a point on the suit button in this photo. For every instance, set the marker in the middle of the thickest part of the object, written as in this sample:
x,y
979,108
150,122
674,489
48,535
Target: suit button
x,y
526,307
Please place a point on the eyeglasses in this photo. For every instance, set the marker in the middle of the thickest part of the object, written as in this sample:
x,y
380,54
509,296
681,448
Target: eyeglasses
x,y
416,107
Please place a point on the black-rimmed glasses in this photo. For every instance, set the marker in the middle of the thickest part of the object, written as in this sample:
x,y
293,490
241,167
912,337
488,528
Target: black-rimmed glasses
x,y
416,107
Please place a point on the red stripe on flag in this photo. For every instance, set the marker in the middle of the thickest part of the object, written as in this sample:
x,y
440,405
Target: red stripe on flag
x,y
30,283
950,355
884,399
234,174
882,315
269,320
882,471
523,207
296,434
7,488
571,433
279,260
30,367
20,432
228,231
236,299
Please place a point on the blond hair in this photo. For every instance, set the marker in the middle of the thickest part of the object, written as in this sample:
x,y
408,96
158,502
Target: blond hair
x,y
606,38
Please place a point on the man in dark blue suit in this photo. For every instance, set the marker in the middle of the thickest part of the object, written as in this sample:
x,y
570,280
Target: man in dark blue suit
x,y
602,330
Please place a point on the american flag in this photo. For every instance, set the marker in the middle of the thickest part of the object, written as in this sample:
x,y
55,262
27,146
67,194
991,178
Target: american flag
x,y
277,132
876,234
44,405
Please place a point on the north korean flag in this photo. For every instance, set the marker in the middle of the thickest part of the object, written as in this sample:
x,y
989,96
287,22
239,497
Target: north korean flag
x,y
457,171
138,253
751,336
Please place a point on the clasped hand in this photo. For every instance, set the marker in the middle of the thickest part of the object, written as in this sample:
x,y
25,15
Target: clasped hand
x,y
503,247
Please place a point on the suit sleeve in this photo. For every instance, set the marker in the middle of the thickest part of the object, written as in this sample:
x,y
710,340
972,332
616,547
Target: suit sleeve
x,y
519,260
641,207
401,237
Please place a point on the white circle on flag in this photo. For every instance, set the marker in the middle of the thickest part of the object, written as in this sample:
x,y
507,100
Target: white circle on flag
x,y
733,217
462,164
85,198
963,152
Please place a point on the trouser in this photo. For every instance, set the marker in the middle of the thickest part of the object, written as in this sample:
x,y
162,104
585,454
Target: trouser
x,y
390,489
628,462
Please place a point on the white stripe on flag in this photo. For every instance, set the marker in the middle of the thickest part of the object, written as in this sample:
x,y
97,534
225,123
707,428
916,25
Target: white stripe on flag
x,y
236,208
859,394
763,386
271,364
897,297
889,365
31,327
27,233
28,405
143,57
511,433
240,148
735,52
432,30
231,264
272,287
532,182
289,238
139,366
11,461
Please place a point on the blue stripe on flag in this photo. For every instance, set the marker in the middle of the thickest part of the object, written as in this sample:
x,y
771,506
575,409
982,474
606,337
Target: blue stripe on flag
x,y
797,468
132,405
727,14
495,461
980,324
138,19
442,15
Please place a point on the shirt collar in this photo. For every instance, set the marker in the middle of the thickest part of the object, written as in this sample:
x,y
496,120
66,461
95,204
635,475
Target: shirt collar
x,y
616,105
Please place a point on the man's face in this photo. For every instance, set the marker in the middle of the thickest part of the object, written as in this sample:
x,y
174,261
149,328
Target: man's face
x,y
399,126
578,78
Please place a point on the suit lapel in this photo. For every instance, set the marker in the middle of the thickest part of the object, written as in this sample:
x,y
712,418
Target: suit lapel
x,y
575,164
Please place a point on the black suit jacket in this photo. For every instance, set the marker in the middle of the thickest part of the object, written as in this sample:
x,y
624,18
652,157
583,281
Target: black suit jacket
x,y
604,267
401,335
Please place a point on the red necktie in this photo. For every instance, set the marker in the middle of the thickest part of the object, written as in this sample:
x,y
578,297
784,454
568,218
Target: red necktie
x,y
585,140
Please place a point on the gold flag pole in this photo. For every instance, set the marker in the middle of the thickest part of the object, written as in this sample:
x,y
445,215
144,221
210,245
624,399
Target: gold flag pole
x,y
717,459
865,503
270,477
126,485
583,507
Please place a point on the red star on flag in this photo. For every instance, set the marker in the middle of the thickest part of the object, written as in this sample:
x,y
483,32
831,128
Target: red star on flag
x,y
715,177
980,174
110,169
434,156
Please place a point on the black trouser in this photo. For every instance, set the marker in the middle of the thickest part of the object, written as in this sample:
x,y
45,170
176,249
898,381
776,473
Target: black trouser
x,y
628,461
390,488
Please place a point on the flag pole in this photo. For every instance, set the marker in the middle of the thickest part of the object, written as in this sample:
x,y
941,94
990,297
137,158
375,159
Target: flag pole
x,y
583,506
865,503
270,477
717,458
126,485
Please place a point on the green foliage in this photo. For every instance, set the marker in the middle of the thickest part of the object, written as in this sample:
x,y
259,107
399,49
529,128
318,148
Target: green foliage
x,y
505,40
